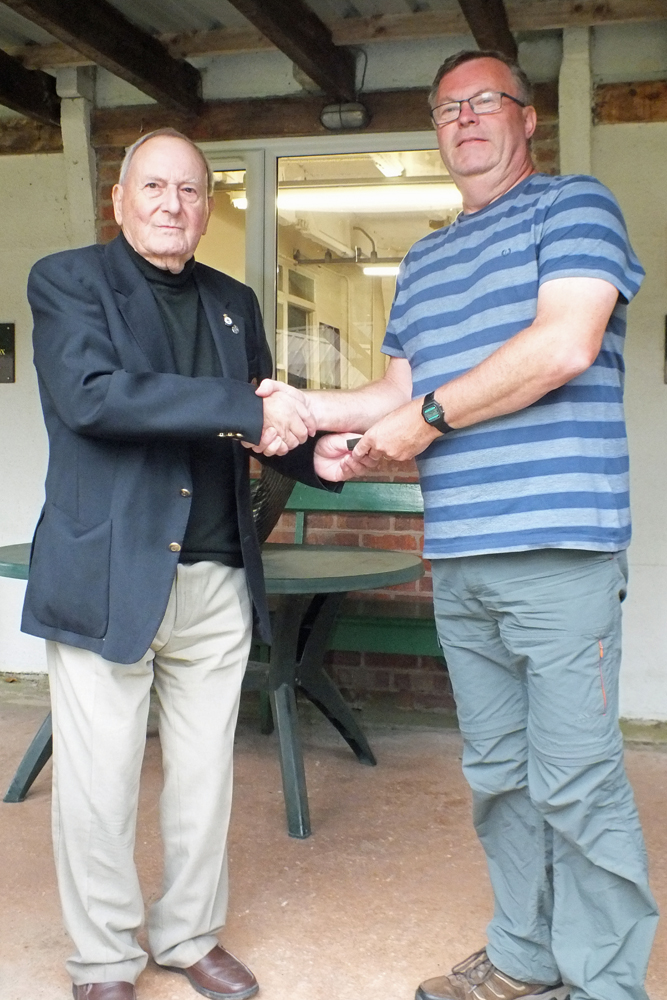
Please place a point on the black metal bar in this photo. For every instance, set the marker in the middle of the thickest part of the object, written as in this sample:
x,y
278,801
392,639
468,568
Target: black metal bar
x,y
283,702
33,761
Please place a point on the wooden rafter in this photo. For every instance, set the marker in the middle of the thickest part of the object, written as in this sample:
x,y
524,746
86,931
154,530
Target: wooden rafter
x,y
297,31
29,91
100,32
487,20
275,117
523,15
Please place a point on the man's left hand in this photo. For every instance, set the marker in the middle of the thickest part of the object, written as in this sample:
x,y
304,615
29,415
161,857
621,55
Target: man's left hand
x,y
399,436
334,461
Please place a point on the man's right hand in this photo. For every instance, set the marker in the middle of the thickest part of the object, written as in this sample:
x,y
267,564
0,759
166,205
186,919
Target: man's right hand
x,y
288,420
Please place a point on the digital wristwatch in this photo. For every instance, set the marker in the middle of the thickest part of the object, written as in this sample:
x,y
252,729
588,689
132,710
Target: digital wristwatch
x,y
434,415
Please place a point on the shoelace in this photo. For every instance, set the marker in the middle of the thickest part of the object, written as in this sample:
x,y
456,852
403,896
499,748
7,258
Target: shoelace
x,y
474,969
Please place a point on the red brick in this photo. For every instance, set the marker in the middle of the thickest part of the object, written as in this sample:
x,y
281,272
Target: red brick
x,y
106,213
396,542
321,521
333,538
281,535
344,657
380,680
107,232
442,683
404,523
391,661
107,172
364,522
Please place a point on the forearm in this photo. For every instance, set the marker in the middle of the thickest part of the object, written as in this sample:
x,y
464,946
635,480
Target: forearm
x,y
358,409
563,341
531,364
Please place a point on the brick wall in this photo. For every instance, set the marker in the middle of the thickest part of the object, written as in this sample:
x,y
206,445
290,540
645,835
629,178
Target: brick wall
x,y
109,159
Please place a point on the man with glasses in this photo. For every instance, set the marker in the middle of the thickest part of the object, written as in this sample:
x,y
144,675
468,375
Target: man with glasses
x,y
506,382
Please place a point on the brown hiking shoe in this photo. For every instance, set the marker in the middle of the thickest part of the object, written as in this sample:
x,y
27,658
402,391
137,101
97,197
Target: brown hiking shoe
x,y
478,979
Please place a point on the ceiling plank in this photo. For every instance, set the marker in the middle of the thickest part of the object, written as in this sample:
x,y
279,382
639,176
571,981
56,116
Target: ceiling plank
x,y
100,32
541,15
523,15
29,91
488,23
298,32
616,103
276,117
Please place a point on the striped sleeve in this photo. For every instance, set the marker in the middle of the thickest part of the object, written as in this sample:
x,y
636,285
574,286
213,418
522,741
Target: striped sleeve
x,y
583,234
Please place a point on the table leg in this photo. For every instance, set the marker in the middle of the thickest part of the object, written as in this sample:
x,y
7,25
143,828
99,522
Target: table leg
x,y
33,761
316,684
283,701
286,628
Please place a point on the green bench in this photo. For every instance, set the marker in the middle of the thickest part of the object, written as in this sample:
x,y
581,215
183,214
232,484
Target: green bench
x,y
370,624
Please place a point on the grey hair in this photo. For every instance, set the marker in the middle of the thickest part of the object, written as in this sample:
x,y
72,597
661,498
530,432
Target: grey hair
x,y
468,55
174,134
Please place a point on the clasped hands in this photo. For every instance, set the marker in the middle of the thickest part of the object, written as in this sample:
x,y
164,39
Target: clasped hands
x,y
291,416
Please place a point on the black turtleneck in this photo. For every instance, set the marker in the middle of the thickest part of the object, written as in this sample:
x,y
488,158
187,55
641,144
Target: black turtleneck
x,y
212,530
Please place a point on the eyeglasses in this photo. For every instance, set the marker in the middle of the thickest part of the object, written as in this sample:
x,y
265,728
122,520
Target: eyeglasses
x,y
486,103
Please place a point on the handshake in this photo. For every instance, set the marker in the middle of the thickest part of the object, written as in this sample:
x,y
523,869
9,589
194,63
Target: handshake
x,y
291,417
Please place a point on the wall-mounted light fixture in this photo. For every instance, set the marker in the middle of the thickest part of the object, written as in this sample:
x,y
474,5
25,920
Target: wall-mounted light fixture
x,y
340,117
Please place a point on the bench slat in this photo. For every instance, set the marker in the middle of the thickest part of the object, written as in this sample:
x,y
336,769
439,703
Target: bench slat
x,y
377,498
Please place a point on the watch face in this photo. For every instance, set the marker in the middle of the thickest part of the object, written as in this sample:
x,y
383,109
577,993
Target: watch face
x,y
431,412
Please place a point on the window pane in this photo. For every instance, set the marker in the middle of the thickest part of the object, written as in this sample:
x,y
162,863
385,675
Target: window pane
x,y
345,222
223,245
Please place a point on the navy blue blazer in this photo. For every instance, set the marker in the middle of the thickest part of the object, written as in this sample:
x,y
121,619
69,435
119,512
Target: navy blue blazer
x,y
119,420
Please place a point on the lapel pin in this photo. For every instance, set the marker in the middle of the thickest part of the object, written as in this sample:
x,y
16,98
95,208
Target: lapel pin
x,y
235,328
227,320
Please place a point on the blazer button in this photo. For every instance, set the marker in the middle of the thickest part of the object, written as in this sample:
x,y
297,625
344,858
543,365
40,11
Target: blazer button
x,y
186,493
174,547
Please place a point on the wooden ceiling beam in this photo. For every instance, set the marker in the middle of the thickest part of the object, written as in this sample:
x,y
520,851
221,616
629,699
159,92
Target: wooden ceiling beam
x,y
29,91
103,35
487,20
527,15
296,30
277,117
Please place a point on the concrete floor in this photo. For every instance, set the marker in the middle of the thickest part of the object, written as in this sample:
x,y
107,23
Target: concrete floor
x,y
390,889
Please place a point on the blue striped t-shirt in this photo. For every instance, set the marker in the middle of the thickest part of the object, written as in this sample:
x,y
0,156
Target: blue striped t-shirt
x,y
555,474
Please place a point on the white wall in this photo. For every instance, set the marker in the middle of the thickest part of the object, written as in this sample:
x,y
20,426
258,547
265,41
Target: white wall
x,y
35,222
631,159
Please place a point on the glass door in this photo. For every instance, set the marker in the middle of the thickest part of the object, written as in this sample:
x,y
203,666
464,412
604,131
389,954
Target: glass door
x,y
344,223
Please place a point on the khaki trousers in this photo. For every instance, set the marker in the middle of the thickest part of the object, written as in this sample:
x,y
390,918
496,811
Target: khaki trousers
x,y
100,711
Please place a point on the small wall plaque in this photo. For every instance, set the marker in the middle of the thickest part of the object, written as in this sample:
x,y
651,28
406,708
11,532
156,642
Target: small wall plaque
x,y
7,352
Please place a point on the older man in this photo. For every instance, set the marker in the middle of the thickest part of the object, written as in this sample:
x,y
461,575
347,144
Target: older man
x,y
146,566
506,380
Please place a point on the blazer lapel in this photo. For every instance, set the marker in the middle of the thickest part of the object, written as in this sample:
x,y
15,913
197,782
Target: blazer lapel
x,y
227,326
139,308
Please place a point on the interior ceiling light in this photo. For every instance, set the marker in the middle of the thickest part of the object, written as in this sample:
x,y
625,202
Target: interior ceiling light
x,y
381,270
431,197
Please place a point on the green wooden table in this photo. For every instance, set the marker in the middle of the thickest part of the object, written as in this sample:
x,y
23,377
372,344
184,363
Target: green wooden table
x,y
309,583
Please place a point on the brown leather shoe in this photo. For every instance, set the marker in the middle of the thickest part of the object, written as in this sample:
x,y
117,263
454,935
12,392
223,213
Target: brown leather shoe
x,y
104,991
220,976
